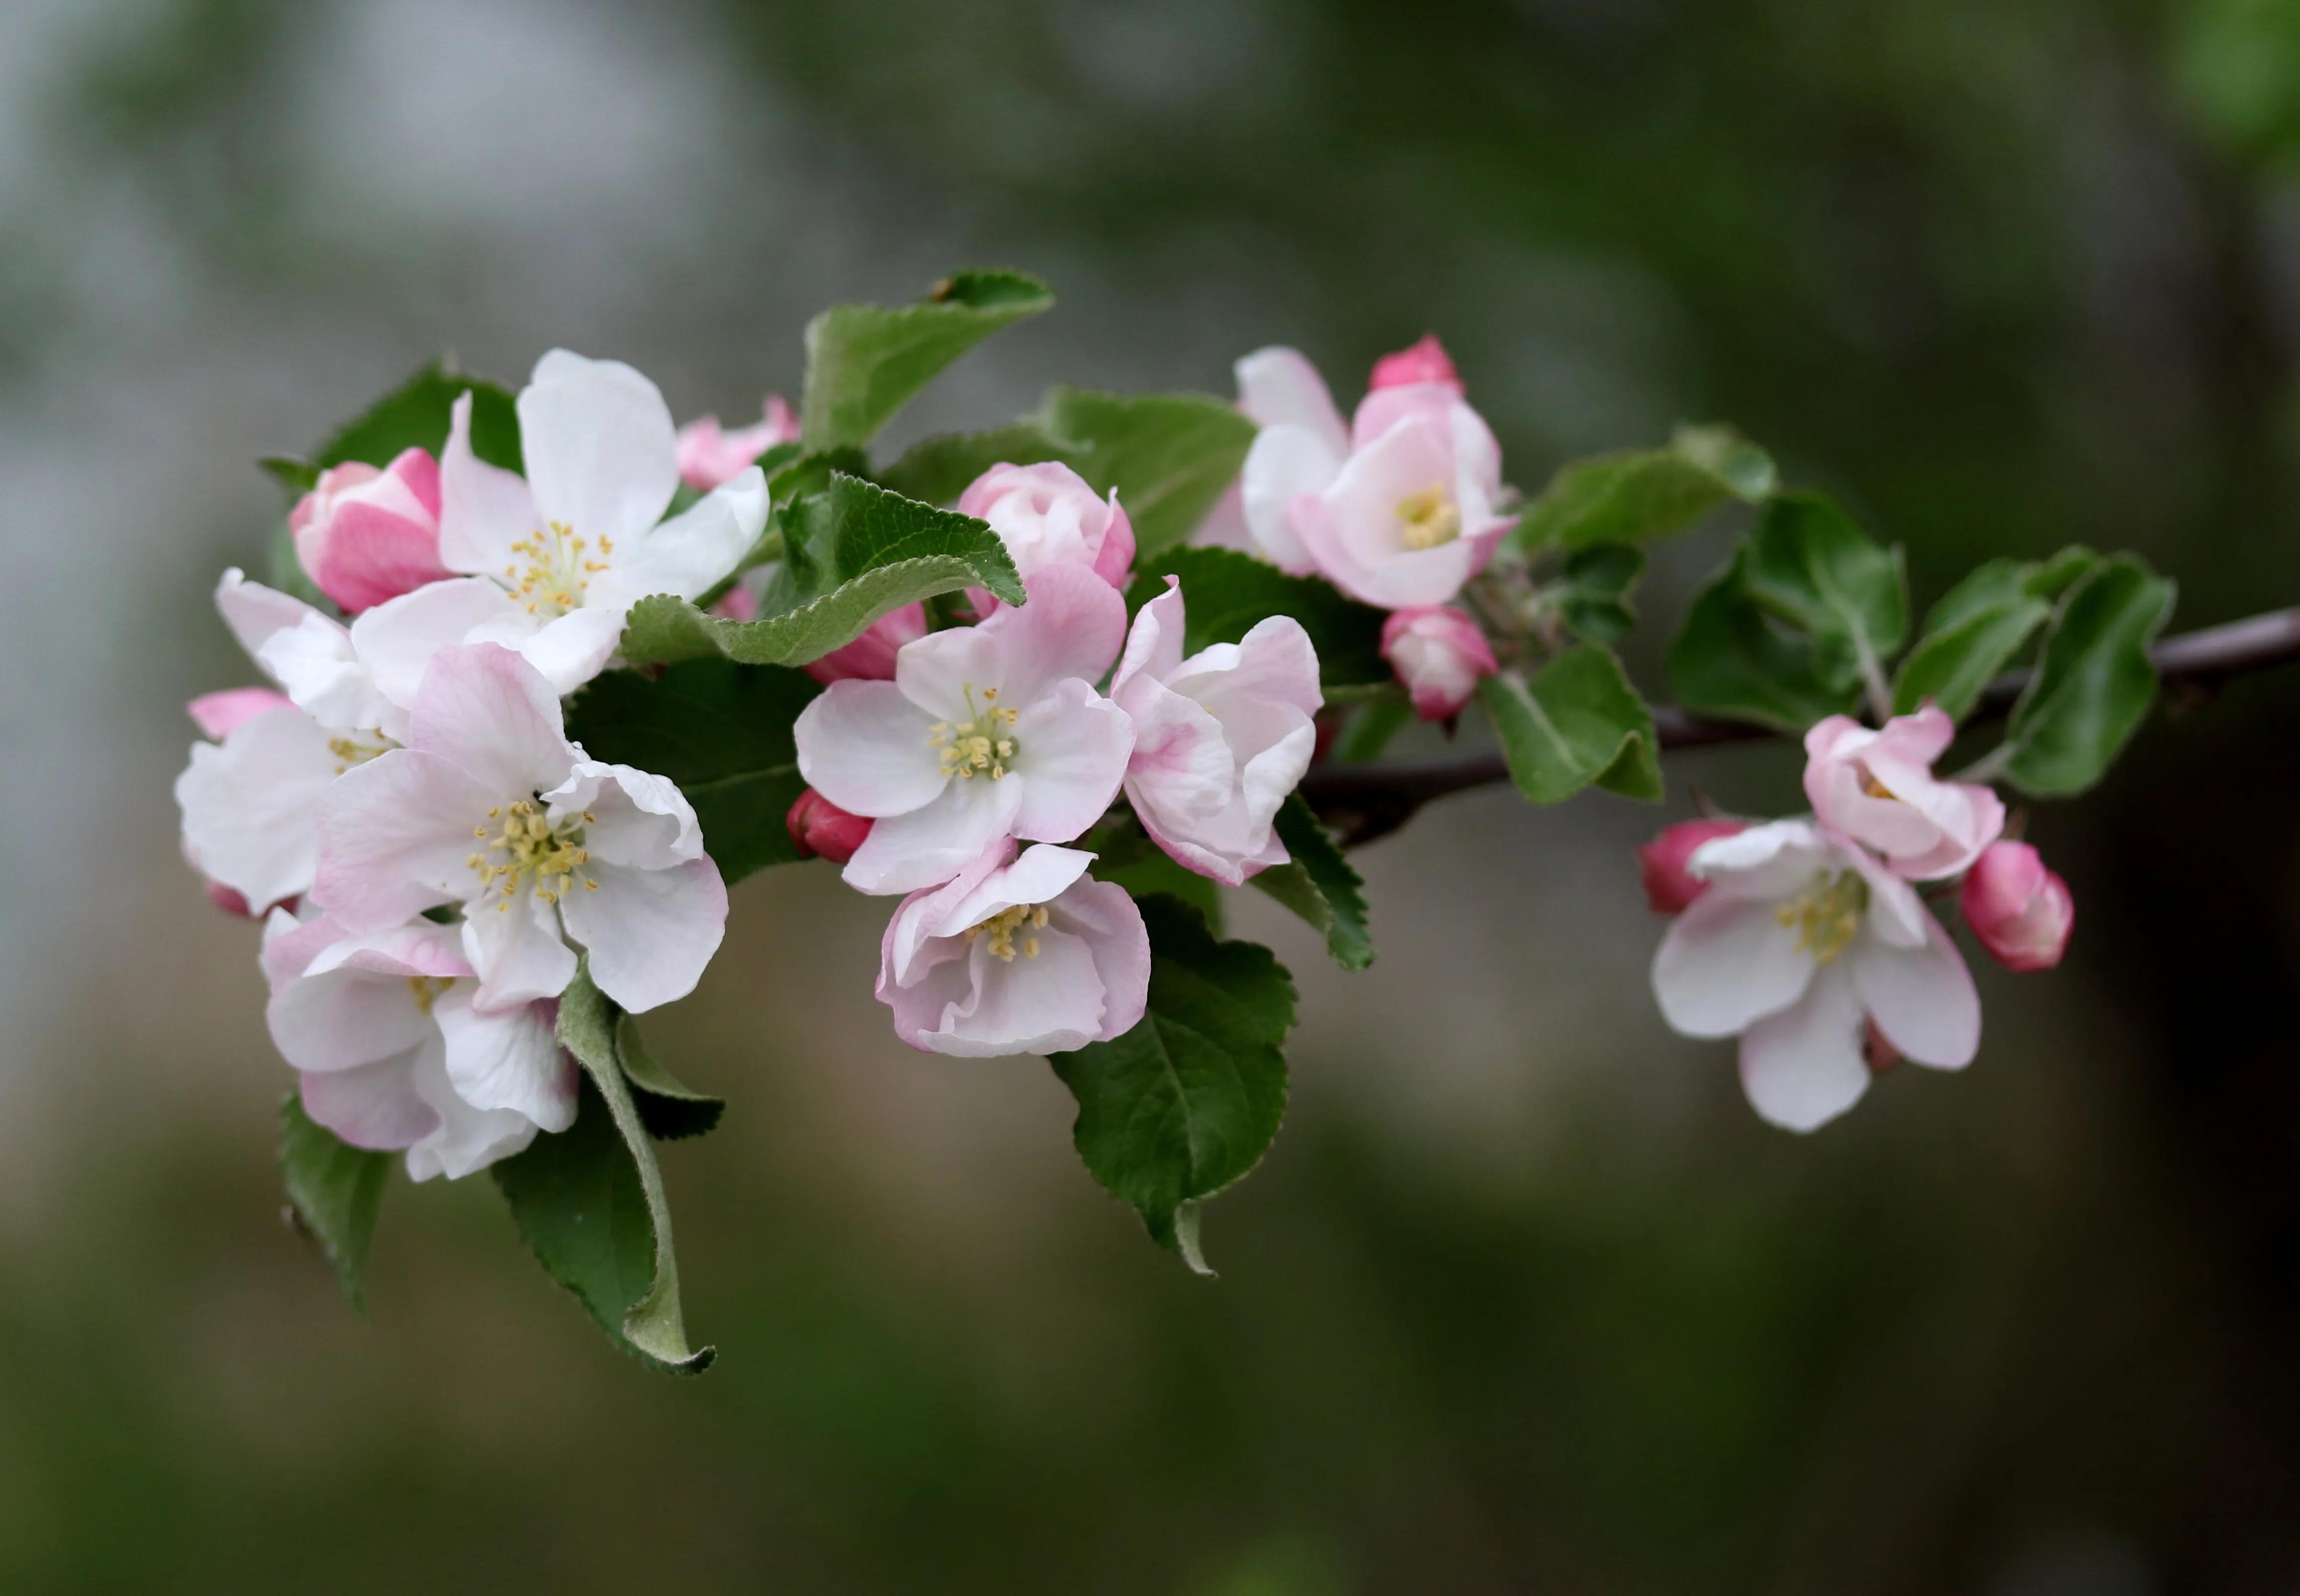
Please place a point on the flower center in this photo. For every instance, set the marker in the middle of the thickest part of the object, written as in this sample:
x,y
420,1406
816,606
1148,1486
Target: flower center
x,y
351,750
1428,518
1001,927
426,989
980,744
1873,787
1827,914
556,572
526,849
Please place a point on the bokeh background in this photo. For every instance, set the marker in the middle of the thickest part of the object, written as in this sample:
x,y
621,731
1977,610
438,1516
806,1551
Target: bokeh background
x,y
1525,1299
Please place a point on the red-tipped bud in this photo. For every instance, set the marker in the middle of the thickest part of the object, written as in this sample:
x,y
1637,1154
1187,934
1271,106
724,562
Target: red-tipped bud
x,y
820,829
1670,886
1425,362
2020,911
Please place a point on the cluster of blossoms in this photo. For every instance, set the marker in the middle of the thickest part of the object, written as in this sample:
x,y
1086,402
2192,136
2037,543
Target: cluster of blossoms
x,y
1810,938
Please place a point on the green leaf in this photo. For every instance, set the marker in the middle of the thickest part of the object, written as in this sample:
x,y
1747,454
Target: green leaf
x,y
298,477
1734,660
1813,567
1225,593
850,556
1320,885
722,731
1126,857
1168,455
1647,493
1977,627
937,470
865,362
334,1190
2094,682
1594,593
671,1110
590,1201
1576,721
1185,1104
415,415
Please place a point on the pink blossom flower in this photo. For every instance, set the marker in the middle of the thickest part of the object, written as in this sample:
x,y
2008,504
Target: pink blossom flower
x,y
1424,361
490,807
218,799
711,457
1670,886
1439,654
870,657
250,802
2022,912
394,1055
986,731
821,830
364,535
1878,788
1023,955
1046,515
1220,738
1801,938
219,714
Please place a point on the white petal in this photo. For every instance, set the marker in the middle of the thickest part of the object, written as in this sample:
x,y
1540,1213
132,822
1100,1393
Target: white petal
x,y
1154,644
314,662
1768,862
251,806
602,454
1804,1067
868,749
486,711
343,1018
1103,915
928,845
396,639
394,839
693,552
1922,999
1048,1004
375,1105
1724,963
1073,745
467,1138
568,650
515,946
1038,874
1278,387
483,509
1286,463
506,1058
649,933
255,613
1074,626
635,818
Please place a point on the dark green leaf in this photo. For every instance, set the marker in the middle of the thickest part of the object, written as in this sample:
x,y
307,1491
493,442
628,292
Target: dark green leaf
x,y
1951,667
2095,682
1593,594
334,1190
723,733
804,475
851,555
415,416
1168,455
1186,1103
937,470
1647,493
671,1110
1225,593
1810,565
865,362
1320,885
1125,855
1576,721
298,477
1734,660
1371,726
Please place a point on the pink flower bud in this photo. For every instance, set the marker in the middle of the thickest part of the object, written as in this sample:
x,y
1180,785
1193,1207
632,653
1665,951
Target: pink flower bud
x,y
1425,362
2020,911
364,535
1047,514
870,657
709,456
820,829
1670,886
1439,654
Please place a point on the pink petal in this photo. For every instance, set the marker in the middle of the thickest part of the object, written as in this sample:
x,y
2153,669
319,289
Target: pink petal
x,y
486,710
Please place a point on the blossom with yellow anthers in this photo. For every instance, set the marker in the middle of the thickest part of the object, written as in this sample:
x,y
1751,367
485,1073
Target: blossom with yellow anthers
x,y
426,989
978,744
1827,914
557,572
351,750
1428,518
1001,927
534,852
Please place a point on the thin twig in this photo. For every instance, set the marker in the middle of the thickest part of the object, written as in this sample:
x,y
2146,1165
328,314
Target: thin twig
x,y
1362,802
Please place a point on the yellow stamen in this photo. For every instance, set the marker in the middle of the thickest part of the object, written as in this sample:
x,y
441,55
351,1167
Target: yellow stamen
x,y
1428,518
1827,914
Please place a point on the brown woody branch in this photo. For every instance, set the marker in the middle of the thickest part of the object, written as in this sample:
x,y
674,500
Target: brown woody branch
x,y
1362,802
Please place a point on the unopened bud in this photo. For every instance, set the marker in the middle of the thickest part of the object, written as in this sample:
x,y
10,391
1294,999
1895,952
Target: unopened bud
x,y
2022,912
1425,362
1439,655
820,829
1670,886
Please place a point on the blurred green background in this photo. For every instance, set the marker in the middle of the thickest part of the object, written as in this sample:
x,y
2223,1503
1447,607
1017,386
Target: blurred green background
x,y
1525,1299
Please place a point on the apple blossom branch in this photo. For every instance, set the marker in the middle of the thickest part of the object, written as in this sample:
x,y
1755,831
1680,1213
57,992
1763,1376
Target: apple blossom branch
x,y
1363,802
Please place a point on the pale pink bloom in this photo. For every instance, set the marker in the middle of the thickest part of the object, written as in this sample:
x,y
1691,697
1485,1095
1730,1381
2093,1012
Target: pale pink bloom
x,y
1878,788
986,731
1424,361
1670,886
1801,940
217,797
364,535
821,830
250,805
310,655
711,457
1220,738
392,1053
1023,955
555,559
1439,654
1299,450
2022,912
870,657
1046,515
490,807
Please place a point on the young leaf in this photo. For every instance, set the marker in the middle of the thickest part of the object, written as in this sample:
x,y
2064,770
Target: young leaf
x,y
1734,660
1320,885
1576,721
1647,493
590,1202
1186,1103
865,362
1809,564
935,471
1168,455
1594,592
415,415
851,555
334,1190
298,477
2096,681
1977,627
1224,593
722,731
671,1110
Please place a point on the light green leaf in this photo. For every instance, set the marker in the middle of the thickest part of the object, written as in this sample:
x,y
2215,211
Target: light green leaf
x,y
590,1201
2095,682
1319,884
1593,594
1225,593
1576,721
1979,626
1734,660
1168,455
1810,565
415,415
935,471
298,477
851,555
865,362
1185,1104
334,1190
1647,493
671,1110
722,731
